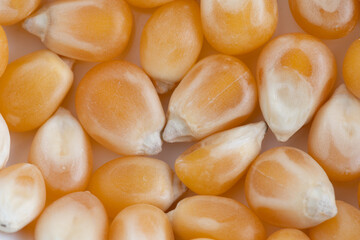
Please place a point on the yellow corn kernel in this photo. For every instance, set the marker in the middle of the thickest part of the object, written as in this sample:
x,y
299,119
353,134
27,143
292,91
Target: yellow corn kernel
x,y
287,188
288,234
359,194
218,93
351,70
32,88
118,106
147,3
295,74
335,136
171,42
75,216
62,152
4,51
131,180
13,11
141,221
22,196
216,163
4,142
215,217
88,30
344,226
238,27
326,19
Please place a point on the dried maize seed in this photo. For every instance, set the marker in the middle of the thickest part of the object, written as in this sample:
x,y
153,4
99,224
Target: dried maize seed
x,y
215,217
4,142
351,71
75,216
335,135
131,180
4,50
32,88
295,74
88,30
288,234
147,3
118,106
238,27
13,11
216,163
326,19
218,93
22,196
171,42
344,226
62,152
359,194
287,188
141,221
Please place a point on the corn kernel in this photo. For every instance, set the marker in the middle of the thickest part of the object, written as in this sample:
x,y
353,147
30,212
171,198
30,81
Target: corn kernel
x,y
288,234
147,3
13,11
118,106
238,27
351,71
218,93
22,196
131,180
335,135
215,164
4,51
215,217
75,216
32,88
287,188
344,226
359,194
62,152
295,74
326,19
141,221
4,143
88,30
171,42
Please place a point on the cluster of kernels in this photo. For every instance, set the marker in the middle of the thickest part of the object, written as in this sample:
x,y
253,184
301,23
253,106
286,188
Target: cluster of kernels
x,y
141,221
118,106
215,217
4,51
295,74
13,11
287,188
216,163
218,93
75,216
4,142
130,180
335,136
171,42
344,226
32,88
238,27
326,19
351,70
288,234
64,27
62,152
147,3
22,196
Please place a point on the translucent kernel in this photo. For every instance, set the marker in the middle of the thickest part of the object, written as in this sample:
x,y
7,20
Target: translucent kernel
x,y
324,18
287,188
288,234
62,152
13,11
141,221
351,70
32,88
147,3
132,180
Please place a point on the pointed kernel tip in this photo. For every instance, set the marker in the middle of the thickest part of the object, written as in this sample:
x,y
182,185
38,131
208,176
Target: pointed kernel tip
x,y
320,204
282,137
177,130
152,144
37,25
163,87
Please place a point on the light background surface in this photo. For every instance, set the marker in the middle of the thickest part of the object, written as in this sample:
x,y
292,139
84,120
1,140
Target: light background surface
x,y
22,43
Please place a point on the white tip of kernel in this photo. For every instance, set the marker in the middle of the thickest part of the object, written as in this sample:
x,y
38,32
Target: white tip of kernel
x,y
320,203
177,130
4,142
162,87
37,25
152,144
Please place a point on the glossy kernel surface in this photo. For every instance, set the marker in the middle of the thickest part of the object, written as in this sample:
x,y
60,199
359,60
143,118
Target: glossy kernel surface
x,y
13,11
4,51
147,3
351,70
288,234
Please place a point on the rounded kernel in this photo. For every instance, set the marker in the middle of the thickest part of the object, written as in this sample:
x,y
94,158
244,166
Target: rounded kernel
x,y
147,3
351,71
4,51
13,11
288,234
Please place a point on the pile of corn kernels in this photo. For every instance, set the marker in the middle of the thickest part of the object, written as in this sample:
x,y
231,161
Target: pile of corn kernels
x,y
253,116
